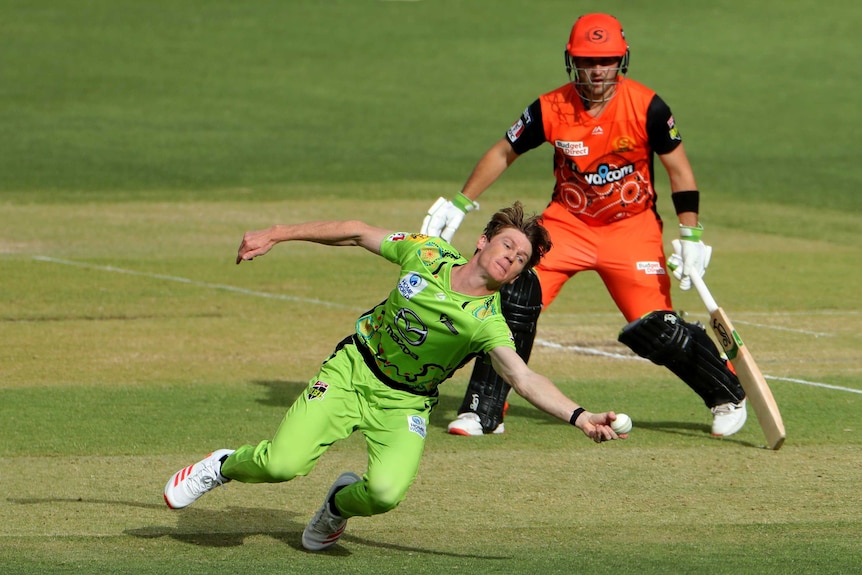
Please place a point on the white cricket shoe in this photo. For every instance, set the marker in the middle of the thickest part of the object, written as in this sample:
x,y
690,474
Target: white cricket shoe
x,y
188,484
469,424
325,528
728,418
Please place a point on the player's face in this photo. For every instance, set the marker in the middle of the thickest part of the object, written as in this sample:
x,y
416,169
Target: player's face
x,y
597,78
505,256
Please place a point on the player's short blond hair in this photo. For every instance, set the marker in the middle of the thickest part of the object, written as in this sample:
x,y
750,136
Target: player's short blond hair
x,y
531,226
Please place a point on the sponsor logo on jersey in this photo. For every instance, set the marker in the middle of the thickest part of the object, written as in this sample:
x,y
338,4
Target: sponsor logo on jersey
x,y
572,149
606,174
597,131
396,237
651,268
624,144
516,130
416,424
318,390
411,284
528,117
407,330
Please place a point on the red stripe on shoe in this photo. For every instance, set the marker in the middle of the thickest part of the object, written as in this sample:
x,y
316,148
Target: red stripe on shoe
x,y
179,477
334,537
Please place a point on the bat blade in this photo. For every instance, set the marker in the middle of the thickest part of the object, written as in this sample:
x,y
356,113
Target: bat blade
x,y
752,380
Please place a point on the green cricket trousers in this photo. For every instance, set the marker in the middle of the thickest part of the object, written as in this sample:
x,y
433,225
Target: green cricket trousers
x,y
345,396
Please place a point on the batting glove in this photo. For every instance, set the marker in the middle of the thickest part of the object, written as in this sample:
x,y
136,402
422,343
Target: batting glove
x,y
694,253
445,216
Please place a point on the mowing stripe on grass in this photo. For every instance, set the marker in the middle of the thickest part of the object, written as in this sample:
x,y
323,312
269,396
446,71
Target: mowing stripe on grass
x,y
196,283
544,343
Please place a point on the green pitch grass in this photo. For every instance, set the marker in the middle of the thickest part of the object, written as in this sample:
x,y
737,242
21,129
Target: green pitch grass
x,y
142,139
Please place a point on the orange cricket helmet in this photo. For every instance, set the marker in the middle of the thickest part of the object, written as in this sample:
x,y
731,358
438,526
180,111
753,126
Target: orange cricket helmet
x,y
598,36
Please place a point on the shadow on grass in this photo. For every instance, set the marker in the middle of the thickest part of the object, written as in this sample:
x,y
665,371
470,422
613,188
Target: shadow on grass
x,y
282,393
230,527
689,429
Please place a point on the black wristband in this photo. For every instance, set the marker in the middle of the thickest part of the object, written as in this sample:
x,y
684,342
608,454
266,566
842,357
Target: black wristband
x,y
575,415
687,201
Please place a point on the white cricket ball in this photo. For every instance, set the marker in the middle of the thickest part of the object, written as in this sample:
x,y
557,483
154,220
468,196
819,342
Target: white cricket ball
x,y
622,424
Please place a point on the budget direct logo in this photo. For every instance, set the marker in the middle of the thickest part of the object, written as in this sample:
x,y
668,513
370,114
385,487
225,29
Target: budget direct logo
x,y
572,149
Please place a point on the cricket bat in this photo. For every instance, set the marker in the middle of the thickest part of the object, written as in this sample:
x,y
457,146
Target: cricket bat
x,y
752,380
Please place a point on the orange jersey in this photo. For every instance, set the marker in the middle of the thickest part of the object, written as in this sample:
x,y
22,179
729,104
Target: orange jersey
x,y
603,166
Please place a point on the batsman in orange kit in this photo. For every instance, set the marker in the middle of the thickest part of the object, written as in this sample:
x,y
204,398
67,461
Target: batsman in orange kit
x,y
606,131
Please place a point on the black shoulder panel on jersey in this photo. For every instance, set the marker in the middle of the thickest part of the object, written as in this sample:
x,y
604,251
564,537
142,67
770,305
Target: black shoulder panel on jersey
x,y
660,129
533,134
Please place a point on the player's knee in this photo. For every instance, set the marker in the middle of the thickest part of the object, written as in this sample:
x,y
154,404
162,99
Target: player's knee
x,y
383,497
285,467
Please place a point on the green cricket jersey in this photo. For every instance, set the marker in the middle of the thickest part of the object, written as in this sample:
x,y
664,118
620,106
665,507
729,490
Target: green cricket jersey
x,y
424,331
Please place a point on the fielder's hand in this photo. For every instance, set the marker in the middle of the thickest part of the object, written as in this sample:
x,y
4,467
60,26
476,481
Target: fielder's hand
x,y
444,217
688,257
597,426
254,244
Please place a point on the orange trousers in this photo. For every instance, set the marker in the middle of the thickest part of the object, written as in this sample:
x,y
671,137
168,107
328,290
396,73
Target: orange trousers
x,y
628,255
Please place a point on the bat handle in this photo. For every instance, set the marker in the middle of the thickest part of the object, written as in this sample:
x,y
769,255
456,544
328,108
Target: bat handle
x,y
703,292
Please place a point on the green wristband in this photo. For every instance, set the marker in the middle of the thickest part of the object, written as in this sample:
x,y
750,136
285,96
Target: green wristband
x,y
463,203
689,233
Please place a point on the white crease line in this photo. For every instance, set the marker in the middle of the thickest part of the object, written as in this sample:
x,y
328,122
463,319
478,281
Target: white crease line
x,y
814,383
790,329
705,320
196,283
587,350
542,342
593,351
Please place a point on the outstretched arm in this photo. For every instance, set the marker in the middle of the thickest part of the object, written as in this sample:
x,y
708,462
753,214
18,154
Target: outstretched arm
x,y
330,233
541,392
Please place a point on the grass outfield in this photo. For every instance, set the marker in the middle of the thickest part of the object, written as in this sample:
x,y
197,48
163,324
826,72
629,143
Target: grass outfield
x,y
127,356
144,138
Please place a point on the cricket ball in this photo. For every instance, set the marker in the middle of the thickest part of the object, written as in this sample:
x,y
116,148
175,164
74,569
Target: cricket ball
x,y
622,424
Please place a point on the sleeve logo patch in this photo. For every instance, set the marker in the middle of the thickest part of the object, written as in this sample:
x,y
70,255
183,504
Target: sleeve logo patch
x,y
318,390
516,130
672,130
